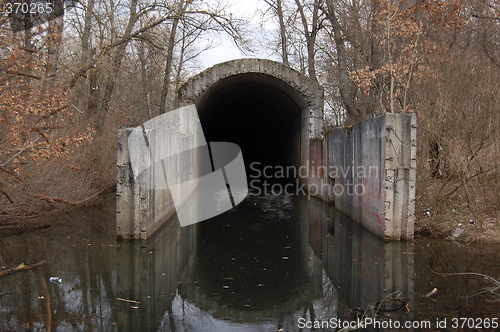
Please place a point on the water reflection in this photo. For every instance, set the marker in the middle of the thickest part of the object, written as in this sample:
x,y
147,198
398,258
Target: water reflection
x,y
261,267
255,271
79,249
459,295
364,269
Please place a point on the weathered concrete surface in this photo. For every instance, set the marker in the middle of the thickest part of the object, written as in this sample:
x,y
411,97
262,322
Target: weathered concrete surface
x,y
275,115
149,162
319,184
363,267
270,110
194,91
372,170
149,272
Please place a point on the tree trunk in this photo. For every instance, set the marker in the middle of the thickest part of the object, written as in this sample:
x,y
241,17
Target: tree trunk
x,y
144,76
53,50
181,8
168,66
310,37
115,65
90,89
346,87
283,37
180,65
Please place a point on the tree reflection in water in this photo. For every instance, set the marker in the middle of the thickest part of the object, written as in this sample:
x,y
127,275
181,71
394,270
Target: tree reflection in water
x,y
261,267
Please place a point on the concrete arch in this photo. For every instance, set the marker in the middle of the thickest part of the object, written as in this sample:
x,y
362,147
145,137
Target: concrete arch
x,y
193,90
272,111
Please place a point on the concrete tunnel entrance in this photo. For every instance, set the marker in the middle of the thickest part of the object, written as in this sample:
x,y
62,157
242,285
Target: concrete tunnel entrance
x,y
272,112
275,115
268,109
259,113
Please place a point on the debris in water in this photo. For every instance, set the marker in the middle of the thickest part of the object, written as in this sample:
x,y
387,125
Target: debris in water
x,y
431,293
55,280
457,232
125,300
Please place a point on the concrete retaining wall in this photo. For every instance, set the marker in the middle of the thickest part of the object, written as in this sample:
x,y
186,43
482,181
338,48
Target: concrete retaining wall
x,y
371,173
369,170
145,156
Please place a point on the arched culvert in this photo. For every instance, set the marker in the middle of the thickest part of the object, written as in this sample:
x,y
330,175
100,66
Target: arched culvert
x,y
259,113
268,109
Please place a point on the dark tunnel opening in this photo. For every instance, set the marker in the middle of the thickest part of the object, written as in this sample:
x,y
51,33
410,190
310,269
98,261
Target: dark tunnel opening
x,y
260,113
253,252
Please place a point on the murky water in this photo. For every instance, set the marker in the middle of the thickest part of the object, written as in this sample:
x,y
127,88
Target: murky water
x,y
273,264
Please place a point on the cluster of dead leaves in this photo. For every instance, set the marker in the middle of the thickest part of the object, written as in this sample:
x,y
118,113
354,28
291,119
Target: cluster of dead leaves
x,y
404,39
38,125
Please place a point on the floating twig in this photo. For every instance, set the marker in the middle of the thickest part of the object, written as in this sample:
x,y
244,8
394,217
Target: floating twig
x,y
487,277
125,300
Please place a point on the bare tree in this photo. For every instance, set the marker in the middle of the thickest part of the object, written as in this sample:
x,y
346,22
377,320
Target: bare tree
x,y
310,31
347,88
179,11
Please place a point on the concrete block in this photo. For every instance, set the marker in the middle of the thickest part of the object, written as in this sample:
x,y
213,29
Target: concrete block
x,y
385,149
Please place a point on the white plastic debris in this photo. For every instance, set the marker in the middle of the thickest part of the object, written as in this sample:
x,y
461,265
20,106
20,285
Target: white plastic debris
x,y
55,280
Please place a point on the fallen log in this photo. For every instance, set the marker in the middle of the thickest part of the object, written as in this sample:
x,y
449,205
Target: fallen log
x,y
21,267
